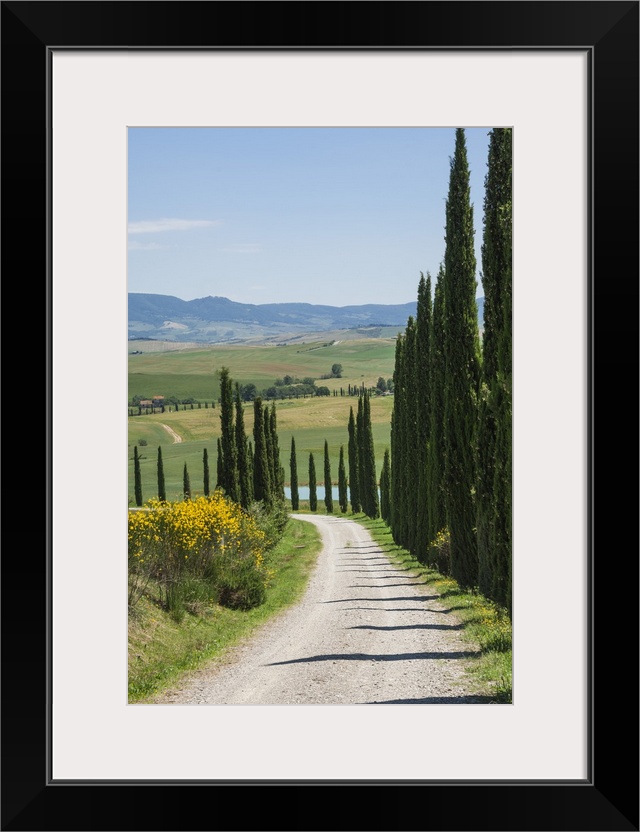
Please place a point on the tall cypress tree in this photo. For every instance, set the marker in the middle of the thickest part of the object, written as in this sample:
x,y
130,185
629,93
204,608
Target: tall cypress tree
x,y
313,494
162,493
385,488
436,514
328,492
250,469
362,476
229,467
261,478
293,469
494,425
409,473
186,483
370,491
277,473
462,370
268,442
354,476
244,485
397,509
205,476
423,415
343,498
219,464
137,478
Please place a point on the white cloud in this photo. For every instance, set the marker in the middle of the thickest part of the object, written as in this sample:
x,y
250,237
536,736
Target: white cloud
x,y
158,226
244,248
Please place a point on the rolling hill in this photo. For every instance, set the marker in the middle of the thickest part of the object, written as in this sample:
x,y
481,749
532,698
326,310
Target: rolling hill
x,y
220,320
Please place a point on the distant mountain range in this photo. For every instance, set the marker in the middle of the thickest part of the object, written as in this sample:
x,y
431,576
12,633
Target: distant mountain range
x,y
220,320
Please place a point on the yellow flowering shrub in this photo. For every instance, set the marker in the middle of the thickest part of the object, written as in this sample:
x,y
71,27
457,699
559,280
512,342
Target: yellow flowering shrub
x,y
207,545
440,552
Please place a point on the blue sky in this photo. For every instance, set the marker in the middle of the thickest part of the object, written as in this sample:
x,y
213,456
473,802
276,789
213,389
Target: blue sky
x,y
327,215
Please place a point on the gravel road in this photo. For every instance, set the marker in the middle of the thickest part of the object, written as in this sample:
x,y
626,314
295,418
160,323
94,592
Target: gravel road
x,y
365,632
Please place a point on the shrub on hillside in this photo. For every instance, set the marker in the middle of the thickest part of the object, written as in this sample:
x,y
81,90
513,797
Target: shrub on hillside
x,y
195,550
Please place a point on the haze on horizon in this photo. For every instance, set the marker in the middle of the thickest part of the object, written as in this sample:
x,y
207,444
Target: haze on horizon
x,y
329,215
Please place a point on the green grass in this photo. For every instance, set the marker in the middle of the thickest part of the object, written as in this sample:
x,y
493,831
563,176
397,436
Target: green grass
x,y
485,625
161,650
311,421
191,373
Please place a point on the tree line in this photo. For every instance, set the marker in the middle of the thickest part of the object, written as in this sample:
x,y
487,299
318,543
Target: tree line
x,y
357,481
450,459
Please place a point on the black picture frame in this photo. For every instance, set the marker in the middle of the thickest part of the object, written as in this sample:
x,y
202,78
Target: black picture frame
x,y
608,799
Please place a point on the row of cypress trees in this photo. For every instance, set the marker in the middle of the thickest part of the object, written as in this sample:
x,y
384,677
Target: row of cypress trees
x,y
450,466
313,493
248,472
363,482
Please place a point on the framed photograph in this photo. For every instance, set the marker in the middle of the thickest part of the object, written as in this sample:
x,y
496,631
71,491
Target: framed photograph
x,y
564,77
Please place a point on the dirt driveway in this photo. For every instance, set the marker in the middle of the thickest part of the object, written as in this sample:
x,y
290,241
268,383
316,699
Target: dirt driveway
x,y
175,436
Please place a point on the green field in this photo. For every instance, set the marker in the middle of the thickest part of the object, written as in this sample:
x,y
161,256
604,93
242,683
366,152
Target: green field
x,y
311,421
192,373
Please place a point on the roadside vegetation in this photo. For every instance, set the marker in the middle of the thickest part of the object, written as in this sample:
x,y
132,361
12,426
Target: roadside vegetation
x,y
166,643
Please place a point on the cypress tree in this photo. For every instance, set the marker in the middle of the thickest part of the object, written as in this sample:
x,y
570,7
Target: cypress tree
x,y
277,469
137,478
205,467
371,464
229,467
409,439
372,499
293,468
354,476
362,492
186,484
423,415
385,488
261,479
313,495
343,499
494,484
436,513
250,469
268,442
162,494
328,493
397,512
244,486
462,370
219,465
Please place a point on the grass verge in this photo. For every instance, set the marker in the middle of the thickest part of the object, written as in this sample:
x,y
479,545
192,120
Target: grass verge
x,y
485,625
162,650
